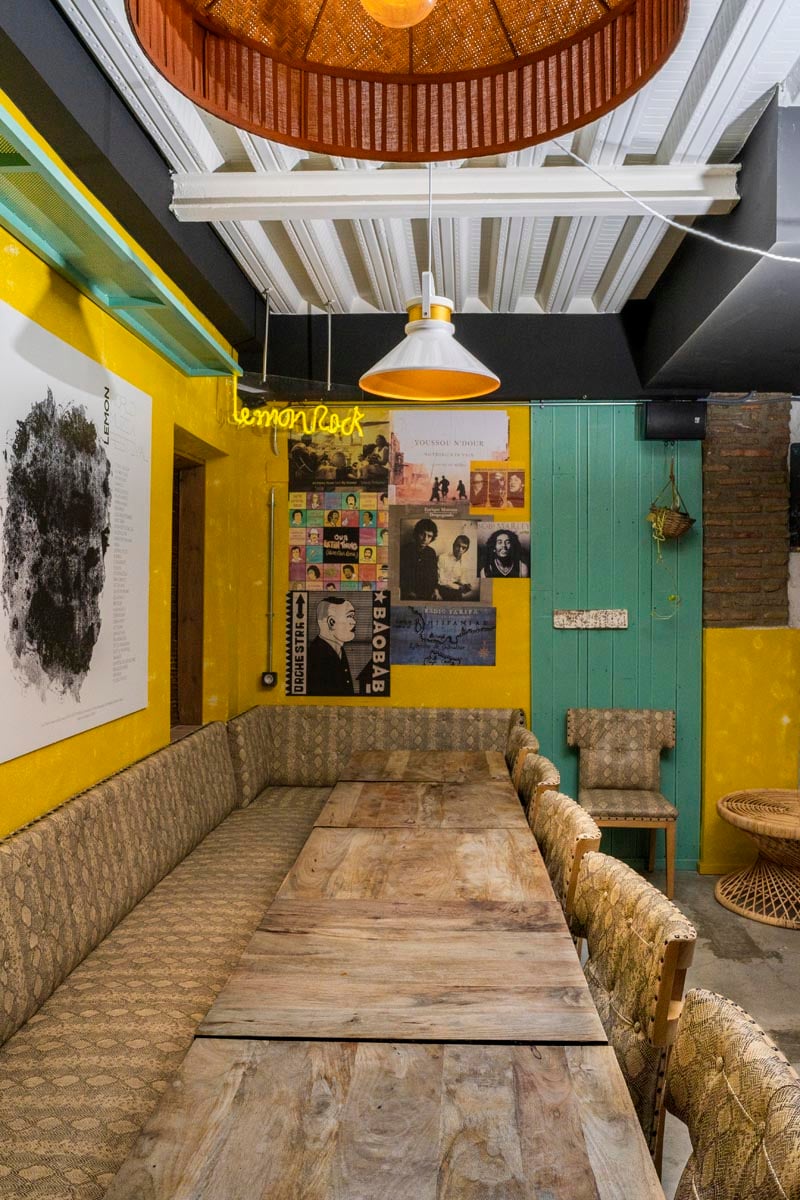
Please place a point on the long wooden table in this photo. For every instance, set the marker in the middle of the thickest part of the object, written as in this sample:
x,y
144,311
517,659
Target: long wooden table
x,y
374,805
299,1120
425,766
409,1020
492,972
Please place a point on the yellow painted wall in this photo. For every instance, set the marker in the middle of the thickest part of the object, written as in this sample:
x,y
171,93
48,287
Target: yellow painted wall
x,y
506,684
36,782
239,469
751,729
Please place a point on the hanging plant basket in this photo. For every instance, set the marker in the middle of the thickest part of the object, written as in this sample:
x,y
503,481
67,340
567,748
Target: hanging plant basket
x,y
669,520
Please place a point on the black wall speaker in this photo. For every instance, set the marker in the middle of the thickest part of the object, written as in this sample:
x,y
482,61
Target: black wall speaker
x,y
674,420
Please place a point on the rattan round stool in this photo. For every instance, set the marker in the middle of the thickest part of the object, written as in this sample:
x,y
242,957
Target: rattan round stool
x,y
769,890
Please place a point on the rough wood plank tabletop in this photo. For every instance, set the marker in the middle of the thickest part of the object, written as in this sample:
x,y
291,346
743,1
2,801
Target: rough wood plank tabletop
x,y
418,864
488,804
428,984
271,1120
425,766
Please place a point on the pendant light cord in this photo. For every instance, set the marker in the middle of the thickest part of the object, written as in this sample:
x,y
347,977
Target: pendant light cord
x,y
430,216
699,233
328,307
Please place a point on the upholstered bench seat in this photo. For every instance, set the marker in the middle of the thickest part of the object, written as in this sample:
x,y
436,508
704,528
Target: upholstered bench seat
x,y
626,803
283,801
82,1076
124,911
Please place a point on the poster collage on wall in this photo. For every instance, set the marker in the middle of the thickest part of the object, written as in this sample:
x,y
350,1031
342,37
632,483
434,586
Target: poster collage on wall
x,y
395,540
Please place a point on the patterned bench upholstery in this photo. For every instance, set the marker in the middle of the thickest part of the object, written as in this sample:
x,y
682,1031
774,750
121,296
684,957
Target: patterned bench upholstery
x,y
304,745
122,913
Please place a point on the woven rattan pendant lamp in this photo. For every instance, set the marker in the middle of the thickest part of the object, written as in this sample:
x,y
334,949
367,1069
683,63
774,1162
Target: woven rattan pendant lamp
x,y
470,77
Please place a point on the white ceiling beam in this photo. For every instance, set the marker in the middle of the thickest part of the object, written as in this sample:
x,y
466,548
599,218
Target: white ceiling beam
x,y
748,45
685,189
573,263
400,237
321,253
541,238
635,248
445,264
259,260
268,156
751,46
468,239
376,253
531,156
511,253
172,121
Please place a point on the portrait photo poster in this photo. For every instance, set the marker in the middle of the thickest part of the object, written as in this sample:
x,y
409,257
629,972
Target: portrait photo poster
x,y
74,540
431,452
432,635
493,487
338,541
504,550
434,556
322,462
338,644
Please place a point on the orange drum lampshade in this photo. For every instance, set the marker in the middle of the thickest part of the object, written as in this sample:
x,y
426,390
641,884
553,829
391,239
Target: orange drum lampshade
x,y
471,77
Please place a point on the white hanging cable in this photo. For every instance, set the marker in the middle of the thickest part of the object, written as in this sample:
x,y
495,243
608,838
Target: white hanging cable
x,y
430,217
329,309
700,233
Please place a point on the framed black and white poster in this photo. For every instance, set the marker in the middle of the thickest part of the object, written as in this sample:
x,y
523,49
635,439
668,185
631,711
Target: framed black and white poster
x,y
434,555
74,540
337,643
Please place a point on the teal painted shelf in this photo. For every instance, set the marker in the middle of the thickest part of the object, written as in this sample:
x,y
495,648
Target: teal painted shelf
x,y
41,207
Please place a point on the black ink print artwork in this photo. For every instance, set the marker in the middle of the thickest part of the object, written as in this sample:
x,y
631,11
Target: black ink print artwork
x,y
56,530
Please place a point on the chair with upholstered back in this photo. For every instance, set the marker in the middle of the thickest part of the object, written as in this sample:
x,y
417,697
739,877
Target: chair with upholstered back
x,y
740,1099
639,947
536,774
564,832
520,742
620,773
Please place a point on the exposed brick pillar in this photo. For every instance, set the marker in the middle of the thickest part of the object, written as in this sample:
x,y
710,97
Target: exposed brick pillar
x,y
746,514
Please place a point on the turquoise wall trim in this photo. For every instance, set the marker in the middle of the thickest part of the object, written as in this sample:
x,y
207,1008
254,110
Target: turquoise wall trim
x,y
593,479
44,209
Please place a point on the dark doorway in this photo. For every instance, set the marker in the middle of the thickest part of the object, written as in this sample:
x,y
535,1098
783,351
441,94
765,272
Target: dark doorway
x,y
188,554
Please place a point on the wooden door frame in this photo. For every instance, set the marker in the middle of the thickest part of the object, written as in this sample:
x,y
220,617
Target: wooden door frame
x,y
191,516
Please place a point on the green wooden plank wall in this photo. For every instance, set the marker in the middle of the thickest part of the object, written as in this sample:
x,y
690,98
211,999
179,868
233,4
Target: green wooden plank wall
x,y
593,479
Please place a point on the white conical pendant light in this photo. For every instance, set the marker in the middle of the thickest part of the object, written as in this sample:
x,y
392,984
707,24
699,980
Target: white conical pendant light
x,y
429,364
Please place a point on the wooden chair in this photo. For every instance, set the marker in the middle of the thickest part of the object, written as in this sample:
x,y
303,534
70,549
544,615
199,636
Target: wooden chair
x,y
740,1099
619,771
640,946
564,832
521,741
536,774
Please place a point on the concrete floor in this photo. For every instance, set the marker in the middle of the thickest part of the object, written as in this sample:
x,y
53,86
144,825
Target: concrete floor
x,y
756,965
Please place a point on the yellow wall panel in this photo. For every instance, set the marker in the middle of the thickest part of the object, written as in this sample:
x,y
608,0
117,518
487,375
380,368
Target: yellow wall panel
x,y
36,782
240,468
505,684
751,728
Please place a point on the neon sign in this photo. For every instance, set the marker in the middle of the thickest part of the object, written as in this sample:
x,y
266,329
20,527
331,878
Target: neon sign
x,y
319,419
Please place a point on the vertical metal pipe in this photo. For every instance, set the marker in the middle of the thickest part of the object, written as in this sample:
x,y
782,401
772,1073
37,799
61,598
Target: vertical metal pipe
x,y
271,579
266,337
